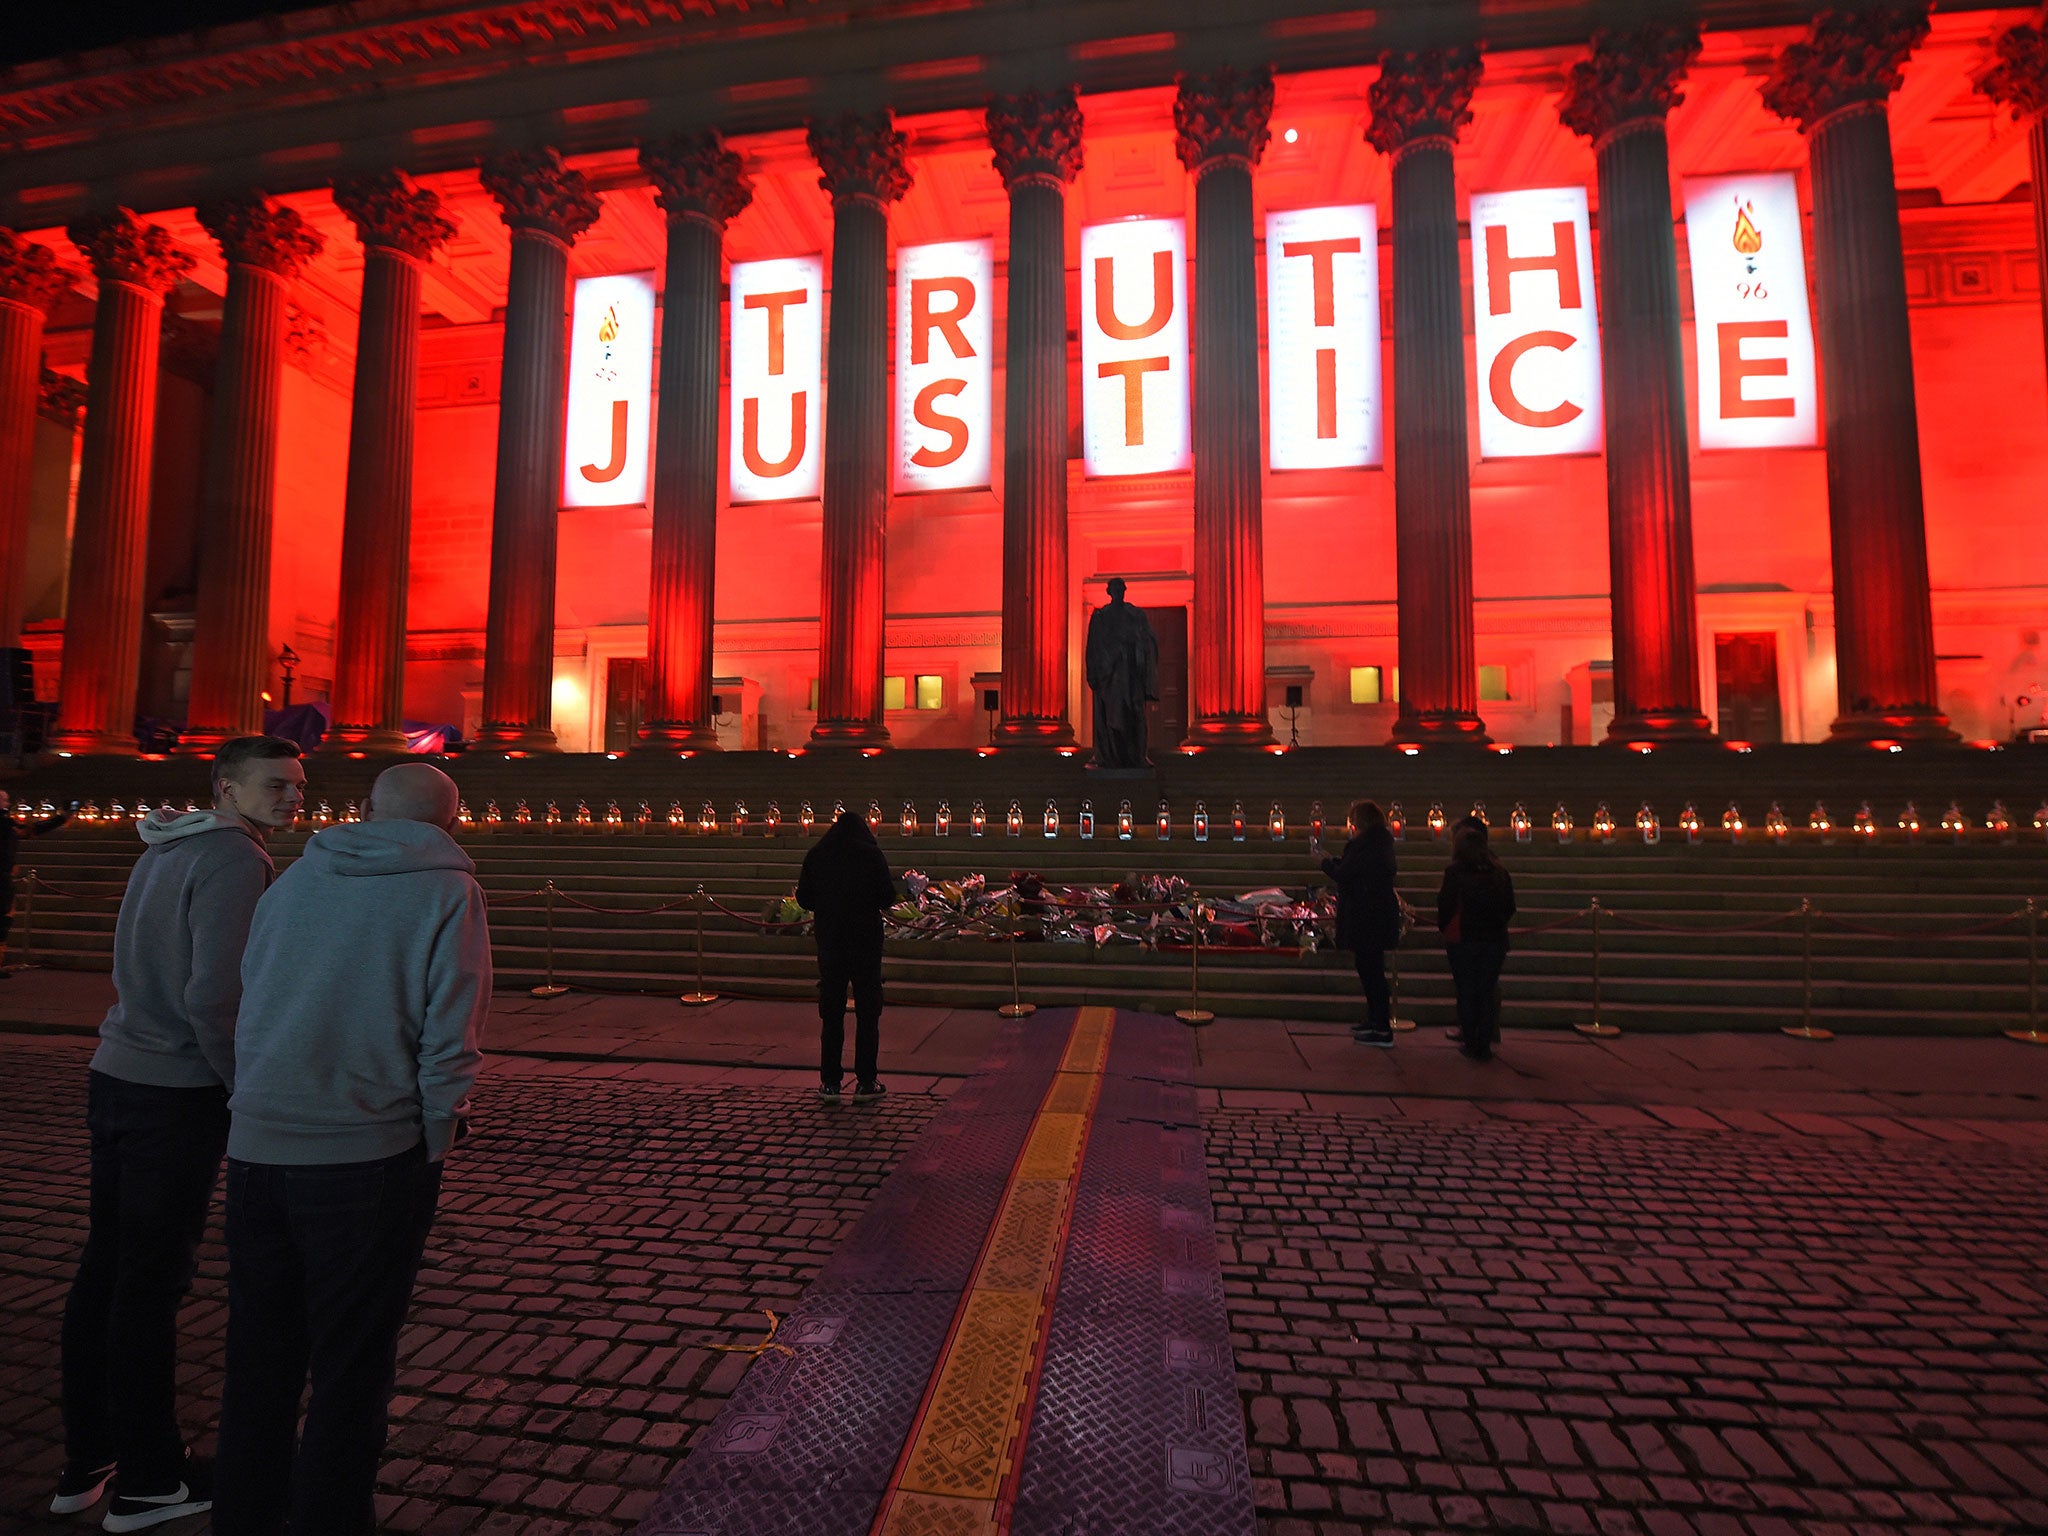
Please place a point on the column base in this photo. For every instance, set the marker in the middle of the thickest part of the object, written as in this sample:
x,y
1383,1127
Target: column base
x,y
363,741
865,734
1902,723
673,738
91,744
1440,727
516,740
203,740
1655,727
1230,731
1032,731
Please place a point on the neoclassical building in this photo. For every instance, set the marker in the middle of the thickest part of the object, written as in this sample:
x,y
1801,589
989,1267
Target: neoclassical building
x,y
608,374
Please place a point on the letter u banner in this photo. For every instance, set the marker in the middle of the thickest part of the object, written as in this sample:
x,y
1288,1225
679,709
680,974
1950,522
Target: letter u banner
x,y
1751,321
945,338
1534,325
777,377
1134,347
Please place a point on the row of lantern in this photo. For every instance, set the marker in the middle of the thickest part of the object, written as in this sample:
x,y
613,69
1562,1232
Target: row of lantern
x,y
1864,825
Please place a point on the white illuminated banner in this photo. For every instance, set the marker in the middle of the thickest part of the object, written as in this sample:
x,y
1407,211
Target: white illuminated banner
x,y
611,378
777,377
945,340
1752,326
1533,324
1134,347
1323,337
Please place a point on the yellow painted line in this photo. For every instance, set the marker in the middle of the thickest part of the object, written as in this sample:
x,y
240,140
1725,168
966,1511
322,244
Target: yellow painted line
x,y
963,1446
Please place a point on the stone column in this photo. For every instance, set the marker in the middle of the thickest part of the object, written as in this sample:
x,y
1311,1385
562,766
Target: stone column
x,y
31,282
264,246
1834,85
1618,98
1419,103
2020,81
861,158
1037,141
1219,124
547,206
701,186
136,264
399,225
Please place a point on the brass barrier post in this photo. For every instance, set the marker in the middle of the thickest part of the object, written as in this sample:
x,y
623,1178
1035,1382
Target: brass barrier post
x,y
1597,1029
1394,1020
2032,1033
1016,1007
549,989
28,923
699,997
1195,1013
1807,1030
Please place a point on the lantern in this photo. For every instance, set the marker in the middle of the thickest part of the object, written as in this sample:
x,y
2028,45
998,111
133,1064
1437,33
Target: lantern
x,y
46,809
773,819
1201,822
977,819
88,813
1085,823
1436,820
522,814
1865,824
116,811
874,816
942,820
1123,822
1396,822
1013,820
1603,823
493,817
582,816
676,820
1732,823
707,818
739,818
1315,826
643,816
190,807
838,809
1775,825
1164,825
462,816
2041,817
1909,822
1276,823
1051,819
141,810
1648,825
1479,813
1999,824
324,815
1561,823
1689,819
1952,821
806,818
1518,821
352,814
1818,823
1237,821
907,823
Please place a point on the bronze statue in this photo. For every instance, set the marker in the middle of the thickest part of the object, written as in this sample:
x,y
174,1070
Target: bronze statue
x,y
1123,669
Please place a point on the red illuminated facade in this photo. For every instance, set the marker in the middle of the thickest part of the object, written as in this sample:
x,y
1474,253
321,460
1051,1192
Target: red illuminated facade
x,y
379,262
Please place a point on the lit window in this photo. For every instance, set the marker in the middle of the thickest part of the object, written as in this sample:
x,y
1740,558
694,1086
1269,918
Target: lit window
x,y
1365,685
892,693
1493,685
814,695
931,692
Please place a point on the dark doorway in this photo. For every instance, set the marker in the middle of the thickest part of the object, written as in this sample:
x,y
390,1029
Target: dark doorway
x,y
1168,727
625,702
1746,673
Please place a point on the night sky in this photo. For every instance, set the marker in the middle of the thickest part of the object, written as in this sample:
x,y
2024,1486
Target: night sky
x,y
41,31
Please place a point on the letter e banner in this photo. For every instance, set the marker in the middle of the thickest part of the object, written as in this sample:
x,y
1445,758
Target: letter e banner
x,y
778,333
1134,347
611,384
1323,337
1534,325
945,341
1752,324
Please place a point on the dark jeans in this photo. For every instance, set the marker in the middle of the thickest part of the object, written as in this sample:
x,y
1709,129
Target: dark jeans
x,y
1372,975
155,1155
837,970
1475,971
321,1264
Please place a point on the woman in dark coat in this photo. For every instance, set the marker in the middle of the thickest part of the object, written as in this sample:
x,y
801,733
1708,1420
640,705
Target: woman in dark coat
x,y
1473,908
11,834
1368,915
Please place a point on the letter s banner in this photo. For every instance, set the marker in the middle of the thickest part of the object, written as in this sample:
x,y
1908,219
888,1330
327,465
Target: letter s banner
x,y
945,349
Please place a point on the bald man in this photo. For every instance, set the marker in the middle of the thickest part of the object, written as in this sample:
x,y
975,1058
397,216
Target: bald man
x,y
364,990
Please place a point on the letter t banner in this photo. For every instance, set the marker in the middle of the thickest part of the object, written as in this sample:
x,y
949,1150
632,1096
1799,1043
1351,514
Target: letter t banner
x,y
778,359
1533,324
945,343
1323,337
1134,347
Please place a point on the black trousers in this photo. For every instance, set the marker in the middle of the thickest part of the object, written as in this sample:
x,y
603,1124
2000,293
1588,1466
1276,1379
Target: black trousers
x,y
321,1264
1372,976
1475,972
155,1155
862,972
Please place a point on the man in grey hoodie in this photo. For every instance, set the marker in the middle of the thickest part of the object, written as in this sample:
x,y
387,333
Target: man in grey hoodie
x,y
364,993
157,1108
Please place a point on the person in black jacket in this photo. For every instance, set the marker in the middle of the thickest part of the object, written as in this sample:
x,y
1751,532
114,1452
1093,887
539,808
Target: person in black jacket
x,y
845,885
1368,915
1473,908
11,834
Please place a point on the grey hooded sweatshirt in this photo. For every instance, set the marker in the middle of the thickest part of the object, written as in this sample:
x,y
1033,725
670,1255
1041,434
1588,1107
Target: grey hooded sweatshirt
x,y
178,950
363,999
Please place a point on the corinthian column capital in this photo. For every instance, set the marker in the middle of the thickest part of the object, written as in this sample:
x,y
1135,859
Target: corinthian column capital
x,y
31,274
124,249
1036,134
1847,59
1221,116
1629,77
696,177
1422,95
392,214
537,194
860,156
252,231
2020,78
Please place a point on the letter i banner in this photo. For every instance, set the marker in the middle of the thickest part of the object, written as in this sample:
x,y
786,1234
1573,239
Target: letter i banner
x,y
1534,326
1323,337
945,344
1134,347
778,358
1752,324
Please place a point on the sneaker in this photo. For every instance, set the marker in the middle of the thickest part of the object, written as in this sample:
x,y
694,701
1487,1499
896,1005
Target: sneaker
x,y
138,1509
79,1488
867,1093
828,1093
1366,1035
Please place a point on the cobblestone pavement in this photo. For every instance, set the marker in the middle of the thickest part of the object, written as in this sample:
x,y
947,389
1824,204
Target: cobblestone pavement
x,y
1640,1329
